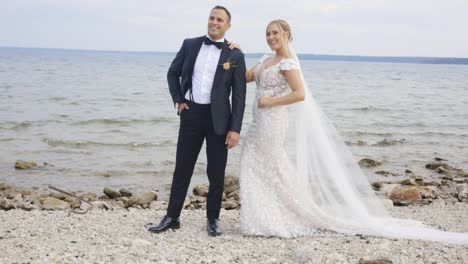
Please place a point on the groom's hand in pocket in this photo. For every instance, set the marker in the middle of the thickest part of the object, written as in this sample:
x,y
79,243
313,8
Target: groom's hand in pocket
x,y
181,107
232,139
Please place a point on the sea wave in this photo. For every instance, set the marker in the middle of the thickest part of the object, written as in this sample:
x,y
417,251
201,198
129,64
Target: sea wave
x,y
25,124
121,121
383,143
88,144
367,133
369,109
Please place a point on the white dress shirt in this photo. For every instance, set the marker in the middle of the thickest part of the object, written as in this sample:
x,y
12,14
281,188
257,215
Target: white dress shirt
x,y
204,73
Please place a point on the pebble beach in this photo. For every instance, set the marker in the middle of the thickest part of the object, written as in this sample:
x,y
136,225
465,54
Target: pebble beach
x,y
120,236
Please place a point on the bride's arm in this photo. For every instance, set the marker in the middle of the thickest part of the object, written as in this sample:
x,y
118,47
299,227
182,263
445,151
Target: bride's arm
x,y
249,74
294,80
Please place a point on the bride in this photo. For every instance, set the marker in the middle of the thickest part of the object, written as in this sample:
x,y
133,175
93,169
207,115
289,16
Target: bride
x,y
320,186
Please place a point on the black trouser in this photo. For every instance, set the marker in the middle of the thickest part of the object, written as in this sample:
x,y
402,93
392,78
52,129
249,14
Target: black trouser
x,y
195,126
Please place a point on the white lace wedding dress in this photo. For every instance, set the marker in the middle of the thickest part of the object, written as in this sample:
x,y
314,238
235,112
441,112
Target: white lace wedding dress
x,y
320,186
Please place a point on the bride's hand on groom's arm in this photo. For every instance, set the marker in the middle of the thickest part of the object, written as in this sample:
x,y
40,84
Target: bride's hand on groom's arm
x,y
265,101
232,139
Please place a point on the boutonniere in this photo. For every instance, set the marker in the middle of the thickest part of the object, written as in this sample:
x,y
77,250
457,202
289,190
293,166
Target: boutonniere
x,y
228,65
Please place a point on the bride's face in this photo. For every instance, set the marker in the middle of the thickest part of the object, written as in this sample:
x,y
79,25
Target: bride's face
x,y
274,37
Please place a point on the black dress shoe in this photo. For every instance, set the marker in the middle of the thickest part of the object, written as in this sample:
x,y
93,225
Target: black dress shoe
x,y
213,228
165,224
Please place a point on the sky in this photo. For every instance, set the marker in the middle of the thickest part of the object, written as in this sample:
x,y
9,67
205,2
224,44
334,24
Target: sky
x,y
436,28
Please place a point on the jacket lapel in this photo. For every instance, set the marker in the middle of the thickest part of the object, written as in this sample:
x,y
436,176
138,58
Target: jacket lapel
x,y
222,59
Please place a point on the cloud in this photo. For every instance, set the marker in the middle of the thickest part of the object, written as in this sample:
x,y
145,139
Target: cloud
x,y
364,27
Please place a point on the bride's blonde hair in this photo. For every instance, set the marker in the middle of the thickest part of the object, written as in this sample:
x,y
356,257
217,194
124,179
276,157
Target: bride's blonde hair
x,y
284,27
285,30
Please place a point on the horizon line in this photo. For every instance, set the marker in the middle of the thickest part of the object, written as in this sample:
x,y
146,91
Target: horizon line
x,y
247,53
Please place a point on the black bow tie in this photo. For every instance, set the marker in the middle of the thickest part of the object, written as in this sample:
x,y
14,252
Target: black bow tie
x,y
208,41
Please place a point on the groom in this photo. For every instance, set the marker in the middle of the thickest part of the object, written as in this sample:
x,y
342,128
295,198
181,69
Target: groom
x,y
201,78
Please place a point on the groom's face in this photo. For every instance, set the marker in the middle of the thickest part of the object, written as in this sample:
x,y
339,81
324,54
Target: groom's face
x,y
218,24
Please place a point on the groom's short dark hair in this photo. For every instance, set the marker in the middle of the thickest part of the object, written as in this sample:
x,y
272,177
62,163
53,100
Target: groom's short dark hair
x,y
225,10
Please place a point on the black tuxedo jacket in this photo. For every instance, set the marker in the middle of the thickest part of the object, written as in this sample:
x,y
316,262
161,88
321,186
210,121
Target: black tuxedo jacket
x,y
179,77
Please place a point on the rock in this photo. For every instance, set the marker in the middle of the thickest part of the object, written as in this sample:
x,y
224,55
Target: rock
x,y
74,202
186,202
375,261
442,170
142,199
460,180
234,195
405,195
387,188
104,174
116,204
419,179
9,193
385,173
197,199
125,192
408,171
58,195
6,204
158,205
201,190
435,165
365,162
4,186
25,165
231,184
30,202
89,197
376,186
124,200
51,203
462,192
428,192
407,182
229,205
112,194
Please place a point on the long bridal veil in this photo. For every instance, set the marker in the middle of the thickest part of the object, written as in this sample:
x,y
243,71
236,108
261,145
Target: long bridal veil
x,y
334,188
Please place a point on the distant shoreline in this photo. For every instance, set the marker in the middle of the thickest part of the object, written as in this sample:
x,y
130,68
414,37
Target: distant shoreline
x,y
320,57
